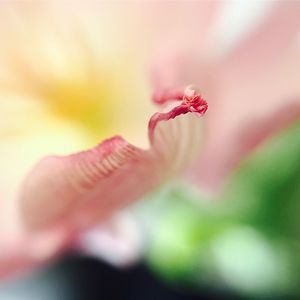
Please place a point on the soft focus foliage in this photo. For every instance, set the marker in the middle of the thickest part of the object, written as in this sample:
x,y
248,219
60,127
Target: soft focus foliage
x,y
248,239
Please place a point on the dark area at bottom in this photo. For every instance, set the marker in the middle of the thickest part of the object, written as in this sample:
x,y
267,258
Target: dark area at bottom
x,y
81,278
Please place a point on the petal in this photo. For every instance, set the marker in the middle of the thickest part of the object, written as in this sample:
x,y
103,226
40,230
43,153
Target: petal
x,y
87,187
216,163
64,196
269,41
22,144
182,58
244,85
258,80
22,252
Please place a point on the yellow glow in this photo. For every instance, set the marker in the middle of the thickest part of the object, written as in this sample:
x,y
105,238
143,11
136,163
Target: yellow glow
x,y
65,85
85,102
103,103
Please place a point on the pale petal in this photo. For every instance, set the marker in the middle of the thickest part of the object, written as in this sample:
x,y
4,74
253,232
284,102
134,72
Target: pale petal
x,y
64,196
256,81
217,163
250,83
184,53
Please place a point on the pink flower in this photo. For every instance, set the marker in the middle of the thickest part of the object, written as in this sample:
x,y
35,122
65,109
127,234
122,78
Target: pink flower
x,y
62,68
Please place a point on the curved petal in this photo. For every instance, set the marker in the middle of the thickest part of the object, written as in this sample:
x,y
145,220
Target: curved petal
x,y
87,187
65,195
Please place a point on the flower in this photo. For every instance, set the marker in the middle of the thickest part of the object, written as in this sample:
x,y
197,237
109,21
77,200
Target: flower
x,y
66,84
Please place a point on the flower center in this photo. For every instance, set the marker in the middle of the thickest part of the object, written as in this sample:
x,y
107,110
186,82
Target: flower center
x,y
103,105
83,102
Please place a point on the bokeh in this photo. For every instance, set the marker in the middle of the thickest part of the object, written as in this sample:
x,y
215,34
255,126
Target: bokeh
x,y
228,226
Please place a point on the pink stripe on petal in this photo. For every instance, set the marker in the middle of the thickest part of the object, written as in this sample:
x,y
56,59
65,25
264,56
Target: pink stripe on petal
x,y
87,187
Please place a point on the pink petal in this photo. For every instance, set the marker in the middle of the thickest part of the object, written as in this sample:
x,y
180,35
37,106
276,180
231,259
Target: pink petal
x,y
64,196
183,54
87,187
259,80
216,163
250,83
269,41
24,251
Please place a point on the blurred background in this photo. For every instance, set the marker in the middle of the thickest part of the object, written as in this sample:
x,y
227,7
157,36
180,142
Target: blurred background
x,y
243,243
